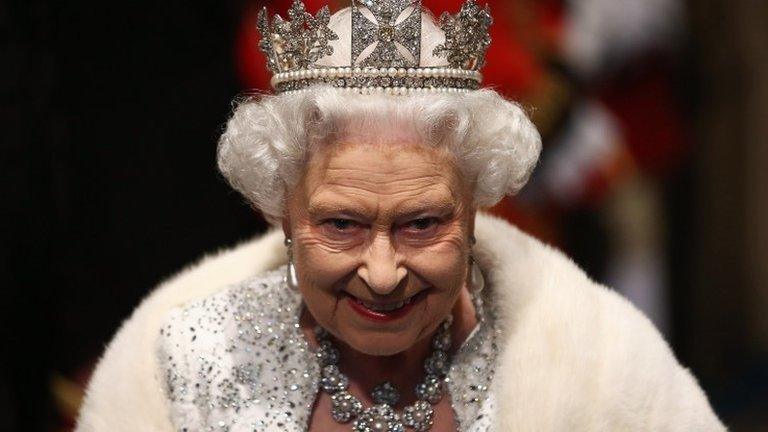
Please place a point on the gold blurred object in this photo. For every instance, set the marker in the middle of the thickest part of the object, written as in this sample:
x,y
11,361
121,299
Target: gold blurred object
x,y
67,396
552,97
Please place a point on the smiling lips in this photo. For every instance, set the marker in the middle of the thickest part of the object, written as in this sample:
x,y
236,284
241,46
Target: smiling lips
x,y
383,312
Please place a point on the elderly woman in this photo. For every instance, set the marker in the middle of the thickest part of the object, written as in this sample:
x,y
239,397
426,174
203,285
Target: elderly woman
x,y
385,302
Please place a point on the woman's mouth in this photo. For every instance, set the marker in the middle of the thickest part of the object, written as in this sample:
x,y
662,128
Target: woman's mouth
x,y
381,311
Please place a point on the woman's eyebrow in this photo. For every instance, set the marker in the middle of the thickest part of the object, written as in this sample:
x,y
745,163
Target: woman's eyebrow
x,y
426,208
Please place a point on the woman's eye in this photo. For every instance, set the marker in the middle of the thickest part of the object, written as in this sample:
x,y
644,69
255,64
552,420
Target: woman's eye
x,y
341,224
422,224
342,232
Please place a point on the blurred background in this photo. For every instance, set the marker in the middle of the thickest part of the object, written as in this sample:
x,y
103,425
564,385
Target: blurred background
x,y
654,175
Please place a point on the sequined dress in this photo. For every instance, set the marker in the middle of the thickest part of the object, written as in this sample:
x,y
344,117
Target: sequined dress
x,y
238,361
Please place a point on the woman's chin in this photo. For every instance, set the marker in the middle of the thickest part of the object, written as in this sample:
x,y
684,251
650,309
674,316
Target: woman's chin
x,y
380,345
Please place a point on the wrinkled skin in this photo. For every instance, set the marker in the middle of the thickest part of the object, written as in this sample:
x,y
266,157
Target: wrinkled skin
x,y
382,222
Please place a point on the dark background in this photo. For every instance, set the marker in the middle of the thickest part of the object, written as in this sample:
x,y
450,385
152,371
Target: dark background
x,y
110,115
111,112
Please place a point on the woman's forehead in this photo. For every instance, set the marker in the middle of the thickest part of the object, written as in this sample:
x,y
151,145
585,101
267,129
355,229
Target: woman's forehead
x,y
359,177
385,158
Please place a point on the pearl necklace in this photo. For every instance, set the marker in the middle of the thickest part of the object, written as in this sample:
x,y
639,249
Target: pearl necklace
x,y
382,417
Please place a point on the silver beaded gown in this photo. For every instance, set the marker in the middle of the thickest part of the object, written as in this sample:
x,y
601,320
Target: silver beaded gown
x,y
238,361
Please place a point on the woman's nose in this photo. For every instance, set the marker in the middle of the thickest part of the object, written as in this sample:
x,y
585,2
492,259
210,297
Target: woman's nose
x,y
382,269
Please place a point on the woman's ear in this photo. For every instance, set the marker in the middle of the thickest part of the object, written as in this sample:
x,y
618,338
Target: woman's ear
x,y
471,216
286,225
285,222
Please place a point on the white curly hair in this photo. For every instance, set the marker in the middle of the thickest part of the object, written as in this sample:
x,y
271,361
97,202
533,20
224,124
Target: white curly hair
x,y
269,139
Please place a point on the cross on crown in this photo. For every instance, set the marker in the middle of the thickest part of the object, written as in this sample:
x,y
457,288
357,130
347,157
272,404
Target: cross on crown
x,y
392,38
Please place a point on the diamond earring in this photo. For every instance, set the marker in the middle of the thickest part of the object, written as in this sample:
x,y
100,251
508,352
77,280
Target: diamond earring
x,y
291,279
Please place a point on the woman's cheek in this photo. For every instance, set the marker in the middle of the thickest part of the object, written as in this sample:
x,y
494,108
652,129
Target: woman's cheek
x,y
442,268
325,269
321,275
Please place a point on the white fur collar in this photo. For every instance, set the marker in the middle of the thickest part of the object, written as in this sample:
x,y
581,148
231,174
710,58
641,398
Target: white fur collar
x,y
575,356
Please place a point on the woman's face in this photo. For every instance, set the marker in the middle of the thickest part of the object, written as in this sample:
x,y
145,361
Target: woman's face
x,y
381,242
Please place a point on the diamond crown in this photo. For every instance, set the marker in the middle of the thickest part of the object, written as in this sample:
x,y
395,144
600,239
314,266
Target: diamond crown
x,y
385,46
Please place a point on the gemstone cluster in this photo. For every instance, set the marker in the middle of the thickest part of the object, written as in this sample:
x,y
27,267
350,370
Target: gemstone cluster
x,y
382,417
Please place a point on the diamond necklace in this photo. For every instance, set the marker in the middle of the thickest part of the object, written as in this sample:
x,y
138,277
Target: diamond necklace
x,y
382,417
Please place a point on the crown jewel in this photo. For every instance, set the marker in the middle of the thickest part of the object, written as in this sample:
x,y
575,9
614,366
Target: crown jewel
x,y
394,34
385,46
298,43
467,36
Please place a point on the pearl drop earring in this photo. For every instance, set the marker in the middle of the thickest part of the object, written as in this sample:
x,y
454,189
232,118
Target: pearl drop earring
x,y
291,279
